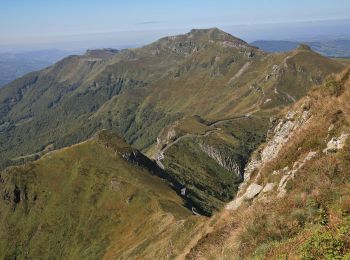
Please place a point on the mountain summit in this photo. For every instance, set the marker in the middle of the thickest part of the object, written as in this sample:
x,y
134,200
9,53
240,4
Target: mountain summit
x,y
138,92
201,38
198,39
208,35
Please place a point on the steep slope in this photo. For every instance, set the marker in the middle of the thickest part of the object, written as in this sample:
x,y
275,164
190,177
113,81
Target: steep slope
x,y
138,92
97,199
208,158
294,202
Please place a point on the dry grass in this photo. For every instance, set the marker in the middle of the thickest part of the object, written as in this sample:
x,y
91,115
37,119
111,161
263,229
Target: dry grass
x,y
313,220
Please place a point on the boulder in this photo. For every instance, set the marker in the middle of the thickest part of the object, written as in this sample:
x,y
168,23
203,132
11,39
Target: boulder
x,y
335,144
268,187
252,191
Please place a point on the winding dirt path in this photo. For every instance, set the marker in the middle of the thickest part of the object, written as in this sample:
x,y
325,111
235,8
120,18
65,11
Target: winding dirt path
x,y
215,124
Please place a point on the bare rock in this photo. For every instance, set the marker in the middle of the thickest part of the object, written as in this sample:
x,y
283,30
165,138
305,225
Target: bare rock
x,y
268,187
223,158
252,191
335,144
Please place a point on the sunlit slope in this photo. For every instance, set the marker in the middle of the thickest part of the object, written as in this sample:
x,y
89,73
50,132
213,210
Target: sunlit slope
x,y
295,200
95,199
138,92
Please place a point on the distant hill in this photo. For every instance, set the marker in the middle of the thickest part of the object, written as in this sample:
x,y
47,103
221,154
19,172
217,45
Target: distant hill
x,y
15,65
275,46
331,48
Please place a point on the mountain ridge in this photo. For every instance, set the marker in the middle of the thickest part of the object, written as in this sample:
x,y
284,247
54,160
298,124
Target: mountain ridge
x,y
138,92
331,48
203,112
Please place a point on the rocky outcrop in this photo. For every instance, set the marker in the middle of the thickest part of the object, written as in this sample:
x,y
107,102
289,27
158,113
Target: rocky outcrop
x,y
223,159
282,133
167,135
288,174
279,134
336,144
252,191
269,187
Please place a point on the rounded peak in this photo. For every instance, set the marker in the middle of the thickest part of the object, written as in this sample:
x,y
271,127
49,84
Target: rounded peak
x,y
206,31
304,47
214,34
197,39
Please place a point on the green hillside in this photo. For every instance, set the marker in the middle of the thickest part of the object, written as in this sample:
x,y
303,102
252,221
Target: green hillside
x,y
76,202
137,92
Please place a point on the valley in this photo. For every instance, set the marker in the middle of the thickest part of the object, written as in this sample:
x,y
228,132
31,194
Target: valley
x,y
196,146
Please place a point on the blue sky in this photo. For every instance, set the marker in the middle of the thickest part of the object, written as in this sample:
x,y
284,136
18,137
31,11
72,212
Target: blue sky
x,y
29,20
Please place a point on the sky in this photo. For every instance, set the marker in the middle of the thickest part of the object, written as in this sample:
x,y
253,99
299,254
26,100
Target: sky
x,y
30,22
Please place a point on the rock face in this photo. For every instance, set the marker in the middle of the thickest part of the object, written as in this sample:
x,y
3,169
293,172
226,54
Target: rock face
x,y
279,134
290,174
336,144
282,132
252,191
269,187
167,135
223,159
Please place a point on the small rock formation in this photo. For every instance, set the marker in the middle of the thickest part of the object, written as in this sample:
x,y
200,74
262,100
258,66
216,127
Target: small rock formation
x,y
252,191
282,132
278,135
223,159
335,144
290,174
268,187
256,88
115,185
167,135
267,100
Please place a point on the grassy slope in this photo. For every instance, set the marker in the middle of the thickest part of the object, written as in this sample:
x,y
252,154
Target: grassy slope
x,y
313,220
211,184
138,92
86,201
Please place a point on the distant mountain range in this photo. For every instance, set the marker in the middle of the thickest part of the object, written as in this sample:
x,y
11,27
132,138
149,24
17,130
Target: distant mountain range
x,y
331,48
15,65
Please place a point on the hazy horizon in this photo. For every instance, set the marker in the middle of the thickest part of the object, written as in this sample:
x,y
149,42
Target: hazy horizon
x,y
80,25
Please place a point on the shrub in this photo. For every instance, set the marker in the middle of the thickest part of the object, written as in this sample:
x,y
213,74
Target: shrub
x,y
323,245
